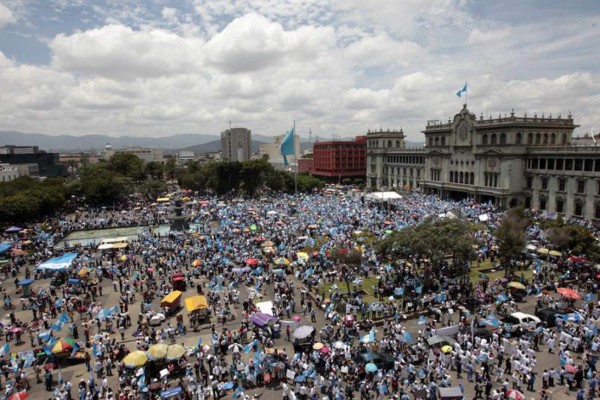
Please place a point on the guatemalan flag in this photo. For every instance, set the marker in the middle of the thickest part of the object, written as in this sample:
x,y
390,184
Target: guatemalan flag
x,y
287,145
462,90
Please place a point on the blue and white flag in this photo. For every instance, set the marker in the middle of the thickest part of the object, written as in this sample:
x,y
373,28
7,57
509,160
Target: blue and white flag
x,y
407,337
57,326
419,289
199,344
64,318
248,348
462,90
238,392
288,146
422,320
4,350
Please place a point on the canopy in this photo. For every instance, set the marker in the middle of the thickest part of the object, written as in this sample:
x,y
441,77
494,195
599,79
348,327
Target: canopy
x,y
265,307
450,393
13,229
259,319
135,359
5,246
383,196
175,352
163,200
58,263
195,303
171,297
107,246
157,351
569,293
25,282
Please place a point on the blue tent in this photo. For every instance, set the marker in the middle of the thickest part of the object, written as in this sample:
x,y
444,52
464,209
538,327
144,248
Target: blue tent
x,y
25,282
5,246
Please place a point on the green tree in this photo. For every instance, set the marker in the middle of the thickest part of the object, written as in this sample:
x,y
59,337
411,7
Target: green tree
x,y
435,239
128,165
151,189
154,170
511,235
579,240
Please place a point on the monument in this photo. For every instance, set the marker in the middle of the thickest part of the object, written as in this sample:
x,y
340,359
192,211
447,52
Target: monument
x,y
178,219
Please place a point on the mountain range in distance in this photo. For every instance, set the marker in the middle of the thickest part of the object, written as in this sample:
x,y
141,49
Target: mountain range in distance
x,y
199,143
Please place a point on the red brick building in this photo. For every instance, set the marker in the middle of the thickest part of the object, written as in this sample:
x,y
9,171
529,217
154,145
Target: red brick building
x,y
340,159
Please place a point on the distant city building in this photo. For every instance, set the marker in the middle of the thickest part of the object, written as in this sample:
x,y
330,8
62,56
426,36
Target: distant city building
x,y
236,144
146,154
185,156
273,150
9,172
37,162
340,159
508,161
305,165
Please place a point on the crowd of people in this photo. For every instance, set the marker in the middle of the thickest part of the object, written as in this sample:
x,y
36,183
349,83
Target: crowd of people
x,y
243,252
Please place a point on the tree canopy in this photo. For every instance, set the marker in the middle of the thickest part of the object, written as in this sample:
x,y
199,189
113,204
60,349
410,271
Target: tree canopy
x,y
435,239
512,234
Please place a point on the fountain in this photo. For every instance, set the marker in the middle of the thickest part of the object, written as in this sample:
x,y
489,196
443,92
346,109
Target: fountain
x,y
178,219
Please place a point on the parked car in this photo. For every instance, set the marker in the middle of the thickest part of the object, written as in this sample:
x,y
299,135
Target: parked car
x,y
519,321
383,361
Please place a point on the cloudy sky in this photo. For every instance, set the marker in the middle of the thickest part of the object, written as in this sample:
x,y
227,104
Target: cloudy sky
x,y
162,67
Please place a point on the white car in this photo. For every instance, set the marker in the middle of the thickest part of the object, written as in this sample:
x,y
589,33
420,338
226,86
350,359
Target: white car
x,y
526,322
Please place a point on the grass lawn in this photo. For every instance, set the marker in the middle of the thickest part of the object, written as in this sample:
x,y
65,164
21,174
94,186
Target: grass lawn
x,y
475,271
367,286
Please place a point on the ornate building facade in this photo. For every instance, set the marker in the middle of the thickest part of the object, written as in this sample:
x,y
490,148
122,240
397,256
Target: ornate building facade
x,y
509,160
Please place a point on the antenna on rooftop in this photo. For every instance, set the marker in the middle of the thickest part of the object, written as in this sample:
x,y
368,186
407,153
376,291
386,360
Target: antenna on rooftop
x,y
310,137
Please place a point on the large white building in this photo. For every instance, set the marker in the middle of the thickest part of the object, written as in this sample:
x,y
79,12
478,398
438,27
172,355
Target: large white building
x,y
145,153
508,160
236,144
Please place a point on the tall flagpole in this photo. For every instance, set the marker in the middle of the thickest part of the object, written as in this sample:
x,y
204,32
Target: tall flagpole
x,y
296,160
466,92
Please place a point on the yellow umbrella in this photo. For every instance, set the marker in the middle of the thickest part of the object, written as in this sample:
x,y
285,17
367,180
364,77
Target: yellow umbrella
x,y
123,258
175,352
157,351
83,271
318,346
186,199
135,359
516,285
554,253
447,349
303,255
196,263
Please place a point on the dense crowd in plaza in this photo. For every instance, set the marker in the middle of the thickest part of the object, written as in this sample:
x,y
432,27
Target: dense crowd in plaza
x,y
279,315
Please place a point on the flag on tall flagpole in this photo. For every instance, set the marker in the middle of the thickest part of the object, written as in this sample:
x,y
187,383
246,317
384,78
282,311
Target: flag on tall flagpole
x,y
288,145
462,90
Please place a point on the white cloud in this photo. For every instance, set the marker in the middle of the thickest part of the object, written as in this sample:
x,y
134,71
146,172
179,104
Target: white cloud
x,y
478,36
119,52
6,16
381,50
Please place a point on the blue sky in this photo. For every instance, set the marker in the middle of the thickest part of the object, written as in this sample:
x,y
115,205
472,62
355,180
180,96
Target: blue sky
x,y
162,67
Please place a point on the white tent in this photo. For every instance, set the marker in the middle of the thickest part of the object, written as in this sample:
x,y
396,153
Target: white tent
x,y
265,307
483,217
383,196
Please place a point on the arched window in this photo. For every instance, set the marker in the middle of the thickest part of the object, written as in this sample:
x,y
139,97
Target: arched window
x,y
472,178
545,138
564,139
493,139
443,141
538,138
431,142
437,141
503,138
460,177
553,138
578,208
530,138
518,138
484,140
451,176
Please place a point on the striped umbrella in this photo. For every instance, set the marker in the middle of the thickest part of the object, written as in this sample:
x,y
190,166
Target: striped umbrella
x,y
63,346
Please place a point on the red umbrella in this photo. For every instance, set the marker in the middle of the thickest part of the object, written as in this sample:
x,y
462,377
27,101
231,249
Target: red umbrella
x,y
324,350
514,394
576,259
19,396
388,223
570,368
251,261
569,293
